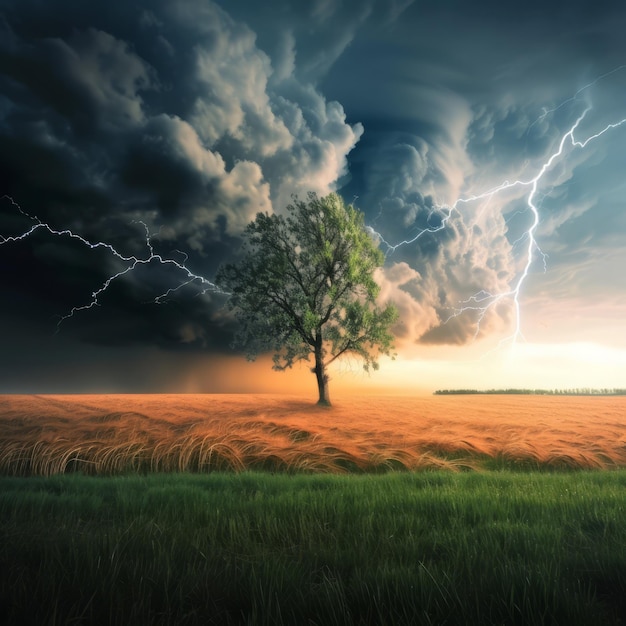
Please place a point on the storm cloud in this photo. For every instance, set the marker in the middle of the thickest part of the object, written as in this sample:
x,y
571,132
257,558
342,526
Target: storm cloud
x,y
191,117
166,114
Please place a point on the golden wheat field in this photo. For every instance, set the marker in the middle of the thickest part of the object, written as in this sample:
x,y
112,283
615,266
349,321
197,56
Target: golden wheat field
x,y
106,434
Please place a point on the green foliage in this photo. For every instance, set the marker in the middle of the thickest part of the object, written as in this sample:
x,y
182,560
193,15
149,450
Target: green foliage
x,y
257,548
305,285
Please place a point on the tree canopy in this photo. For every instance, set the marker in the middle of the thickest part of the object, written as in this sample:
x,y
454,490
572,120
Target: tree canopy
x,y
304,286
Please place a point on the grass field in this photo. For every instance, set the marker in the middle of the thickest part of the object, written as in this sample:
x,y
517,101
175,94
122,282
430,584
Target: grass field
x,y
46,435
255,548
111,511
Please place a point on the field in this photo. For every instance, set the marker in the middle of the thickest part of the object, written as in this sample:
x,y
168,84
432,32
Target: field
x,y
46,435
112,511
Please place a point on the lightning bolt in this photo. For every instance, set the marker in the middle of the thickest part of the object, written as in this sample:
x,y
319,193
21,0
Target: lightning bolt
x,y
480,303
444,213
483,301
130,262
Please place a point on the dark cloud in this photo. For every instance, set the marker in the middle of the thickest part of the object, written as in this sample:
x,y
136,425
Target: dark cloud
x,y
307,38
490,105
165,114
188,118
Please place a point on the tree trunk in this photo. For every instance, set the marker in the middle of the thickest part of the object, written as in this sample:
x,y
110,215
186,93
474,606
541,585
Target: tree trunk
x,y
322,377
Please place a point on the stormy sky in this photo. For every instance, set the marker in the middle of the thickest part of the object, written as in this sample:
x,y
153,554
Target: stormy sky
x,y
184,119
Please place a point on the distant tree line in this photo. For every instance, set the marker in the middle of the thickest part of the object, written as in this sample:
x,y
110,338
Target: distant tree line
x,y
579,391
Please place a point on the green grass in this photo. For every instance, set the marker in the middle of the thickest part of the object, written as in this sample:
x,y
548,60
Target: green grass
x,y
258,548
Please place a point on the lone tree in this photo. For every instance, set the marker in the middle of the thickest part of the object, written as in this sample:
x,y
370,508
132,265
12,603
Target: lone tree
x,y
305,286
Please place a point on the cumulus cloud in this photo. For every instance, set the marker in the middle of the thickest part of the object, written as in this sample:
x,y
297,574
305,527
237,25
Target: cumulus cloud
x,y
453,252
226,108
173,116
447,126
92,80
323,140
404,286
192,116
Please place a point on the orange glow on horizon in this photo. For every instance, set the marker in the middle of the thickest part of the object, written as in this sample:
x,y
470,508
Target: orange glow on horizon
x,y
532,366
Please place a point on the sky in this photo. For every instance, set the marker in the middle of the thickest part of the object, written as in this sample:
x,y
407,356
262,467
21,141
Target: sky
x,y
485,142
